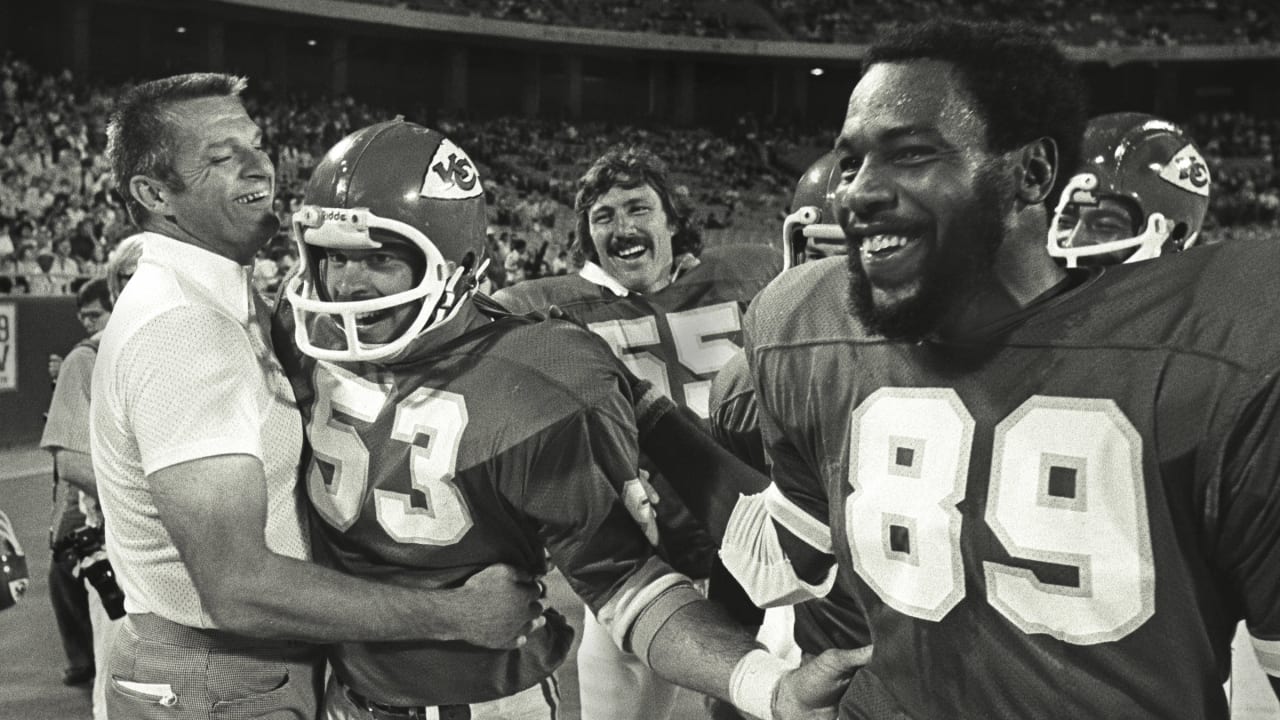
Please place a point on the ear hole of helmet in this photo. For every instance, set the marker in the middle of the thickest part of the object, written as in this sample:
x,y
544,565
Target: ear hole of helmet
x,y
1177,240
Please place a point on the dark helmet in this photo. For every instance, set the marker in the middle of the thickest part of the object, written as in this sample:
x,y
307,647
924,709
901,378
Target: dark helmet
x,y
1150,167
390,182
813,214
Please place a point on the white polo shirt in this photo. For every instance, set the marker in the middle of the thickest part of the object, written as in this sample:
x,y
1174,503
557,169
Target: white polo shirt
x,y
185,371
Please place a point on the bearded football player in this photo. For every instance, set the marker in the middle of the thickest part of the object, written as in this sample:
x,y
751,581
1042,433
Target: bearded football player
x,y
1142,191
443,436
672,312
1052,491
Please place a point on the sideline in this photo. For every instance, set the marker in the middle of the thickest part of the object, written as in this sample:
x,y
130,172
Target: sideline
x,y
24,461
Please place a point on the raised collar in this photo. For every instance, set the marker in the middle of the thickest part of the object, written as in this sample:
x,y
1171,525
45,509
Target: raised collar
x,y
225,282
595,274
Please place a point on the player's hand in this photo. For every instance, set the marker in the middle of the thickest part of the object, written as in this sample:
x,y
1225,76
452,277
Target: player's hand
x,y
500,607
814,689
639,497
55,366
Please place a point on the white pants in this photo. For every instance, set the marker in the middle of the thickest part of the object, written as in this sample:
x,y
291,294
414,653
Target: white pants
x,y
613,685
104,631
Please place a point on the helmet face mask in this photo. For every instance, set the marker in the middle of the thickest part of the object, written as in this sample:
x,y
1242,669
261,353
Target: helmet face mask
x,y
812,217
1145,165
392,182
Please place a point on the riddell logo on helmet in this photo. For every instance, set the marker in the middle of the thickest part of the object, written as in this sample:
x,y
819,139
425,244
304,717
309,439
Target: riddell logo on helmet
x,y
451,175
337,215
1188,170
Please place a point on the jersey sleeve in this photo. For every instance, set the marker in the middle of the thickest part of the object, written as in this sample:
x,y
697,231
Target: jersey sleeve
x,y
798,501
573,496
186,401
515,301
734,414
67,426
1248,522
835,621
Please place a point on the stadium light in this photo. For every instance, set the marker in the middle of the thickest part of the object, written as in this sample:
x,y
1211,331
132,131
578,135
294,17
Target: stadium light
x,y
181,29
311,43
816,72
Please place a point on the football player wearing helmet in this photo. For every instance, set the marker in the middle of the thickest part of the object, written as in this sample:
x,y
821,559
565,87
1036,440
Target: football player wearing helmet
x,y
446,435
809,231
1142,190
1027,536
196,444
672,312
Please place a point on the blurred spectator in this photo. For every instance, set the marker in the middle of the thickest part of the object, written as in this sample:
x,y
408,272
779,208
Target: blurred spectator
x,y
63,268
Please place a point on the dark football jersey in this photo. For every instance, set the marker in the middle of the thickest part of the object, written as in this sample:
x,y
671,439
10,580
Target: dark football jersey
x,y
498,446
1064,517
732,413
676,338
834,621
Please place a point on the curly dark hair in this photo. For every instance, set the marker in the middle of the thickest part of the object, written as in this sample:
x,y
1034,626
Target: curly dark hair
x,y
631,166
1020,81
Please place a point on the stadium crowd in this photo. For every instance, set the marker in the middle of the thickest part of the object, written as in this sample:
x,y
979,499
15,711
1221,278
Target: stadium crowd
x,y
1089,22
60,219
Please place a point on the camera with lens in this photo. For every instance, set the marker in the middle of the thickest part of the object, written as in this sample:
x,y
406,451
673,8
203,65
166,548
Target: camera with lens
x,y
84,546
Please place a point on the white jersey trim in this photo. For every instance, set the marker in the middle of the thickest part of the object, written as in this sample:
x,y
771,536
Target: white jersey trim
x,y
813,532
1268,652
752,552
595,274
619,614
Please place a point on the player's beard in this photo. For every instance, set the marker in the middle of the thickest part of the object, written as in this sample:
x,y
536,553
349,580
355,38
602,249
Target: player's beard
x,y
954,270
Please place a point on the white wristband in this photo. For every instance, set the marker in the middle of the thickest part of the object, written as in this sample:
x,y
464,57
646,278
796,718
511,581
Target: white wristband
x,y
753,681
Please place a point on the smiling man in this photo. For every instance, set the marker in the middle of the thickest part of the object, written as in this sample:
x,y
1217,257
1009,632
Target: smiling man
x,y
672,312
196,442
448,435
1053,492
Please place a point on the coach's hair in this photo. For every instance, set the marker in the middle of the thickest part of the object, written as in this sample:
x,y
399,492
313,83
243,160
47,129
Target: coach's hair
x,y
1019,80
140,135
630,167
95,289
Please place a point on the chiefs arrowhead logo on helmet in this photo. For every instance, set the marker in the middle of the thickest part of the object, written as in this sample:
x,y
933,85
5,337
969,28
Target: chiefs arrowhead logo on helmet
x,y
452,175
1188,171
394,182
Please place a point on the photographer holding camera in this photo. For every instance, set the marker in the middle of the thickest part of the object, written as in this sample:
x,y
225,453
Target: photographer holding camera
x,y
79,547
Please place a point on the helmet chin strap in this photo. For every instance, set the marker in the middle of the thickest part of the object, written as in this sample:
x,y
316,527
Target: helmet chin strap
x,y
451,298
1151,241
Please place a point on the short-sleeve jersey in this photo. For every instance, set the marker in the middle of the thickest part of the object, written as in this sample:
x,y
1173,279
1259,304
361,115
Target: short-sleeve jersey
x,y
67,428
1064,517
185,371
677,338
497,446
